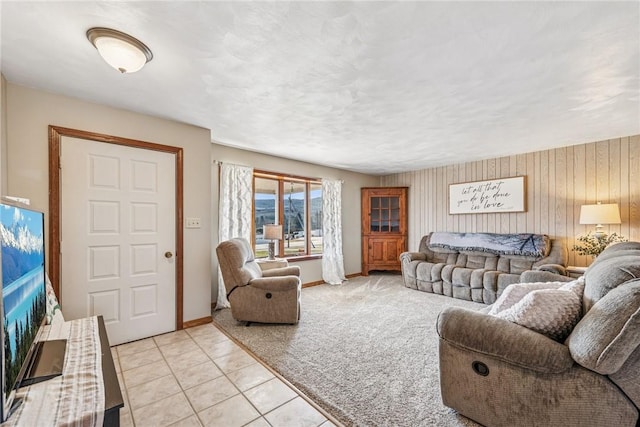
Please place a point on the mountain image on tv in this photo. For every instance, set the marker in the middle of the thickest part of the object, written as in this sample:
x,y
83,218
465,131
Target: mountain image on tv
x,y
23,285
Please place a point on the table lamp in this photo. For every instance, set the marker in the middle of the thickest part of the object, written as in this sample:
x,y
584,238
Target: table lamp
x,y
600,214
272,232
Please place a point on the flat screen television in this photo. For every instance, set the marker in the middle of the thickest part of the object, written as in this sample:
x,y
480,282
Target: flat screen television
x,y
23,300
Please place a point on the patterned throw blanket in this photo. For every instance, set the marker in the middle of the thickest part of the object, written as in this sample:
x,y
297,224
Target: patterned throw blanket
x,y
499,244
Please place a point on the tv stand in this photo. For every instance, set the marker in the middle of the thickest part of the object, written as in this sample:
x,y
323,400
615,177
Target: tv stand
x,y
112,394
46,363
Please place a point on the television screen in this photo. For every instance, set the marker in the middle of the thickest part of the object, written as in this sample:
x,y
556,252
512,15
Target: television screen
x,y
23,291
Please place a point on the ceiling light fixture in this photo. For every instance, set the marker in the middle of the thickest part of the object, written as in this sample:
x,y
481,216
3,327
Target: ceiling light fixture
x,y
123,52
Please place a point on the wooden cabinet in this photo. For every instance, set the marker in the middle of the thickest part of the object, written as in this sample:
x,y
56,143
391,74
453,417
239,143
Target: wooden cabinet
x,y
384,227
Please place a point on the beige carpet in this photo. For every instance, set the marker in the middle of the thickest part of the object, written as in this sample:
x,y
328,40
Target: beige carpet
x,y
366,351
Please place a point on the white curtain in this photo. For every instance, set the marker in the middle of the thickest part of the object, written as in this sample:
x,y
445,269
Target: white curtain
x,y
234,216
332,258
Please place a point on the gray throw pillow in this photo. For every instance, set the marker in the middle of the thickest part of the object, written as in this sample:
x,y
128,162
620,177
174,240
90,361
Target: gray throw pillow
x,y
515,292
551,312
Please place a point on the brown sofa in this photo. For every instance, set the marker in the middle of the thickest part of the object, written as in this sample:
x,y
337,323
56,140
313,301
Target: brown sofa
x,y
477,273
270,296
501,373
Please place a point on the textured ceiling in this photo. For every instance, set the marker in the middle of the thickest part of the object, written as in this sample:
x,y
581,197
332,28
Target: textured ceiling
x,y
375,87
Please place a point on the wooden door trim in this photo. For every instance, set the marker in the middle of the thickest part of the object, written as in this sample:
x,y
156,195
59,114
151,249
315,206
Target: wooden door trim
x,y
55,135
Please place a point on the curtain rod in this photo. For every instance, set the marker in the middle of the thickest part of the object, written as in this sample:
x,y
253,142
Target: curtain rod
x,y
220,162
261,172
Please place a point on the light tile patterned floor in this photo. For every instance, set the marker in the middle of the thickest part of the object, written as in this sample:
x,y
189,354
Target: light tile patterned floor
x,y
199,377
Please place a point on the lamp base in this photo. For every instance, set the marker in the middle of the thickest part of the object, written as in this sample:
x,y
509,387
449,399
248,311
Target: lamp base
x,y
599,232
272,250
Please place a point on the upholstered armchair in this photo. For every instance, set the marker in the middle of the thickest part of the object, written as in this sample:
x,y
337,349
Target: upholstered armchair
x,y
270,296
519,363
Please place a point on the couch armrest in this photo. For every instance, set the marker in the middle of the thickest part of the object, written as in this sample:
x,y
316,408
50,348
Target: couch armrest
x,y
504,340
292,270
413,256
532,276
280,283
553,268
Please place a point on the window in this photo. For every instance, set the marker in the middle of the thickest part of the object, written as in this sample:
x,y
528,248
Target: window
x,y
296,204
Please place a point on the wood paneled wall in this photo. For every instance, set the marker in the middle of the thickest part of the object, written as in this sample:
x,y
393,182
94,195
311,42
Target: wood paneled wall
x,y
558,182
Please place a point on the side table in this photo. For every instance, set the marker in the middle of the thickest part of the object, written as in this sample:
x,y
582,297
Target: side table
x,y
268,264
576,272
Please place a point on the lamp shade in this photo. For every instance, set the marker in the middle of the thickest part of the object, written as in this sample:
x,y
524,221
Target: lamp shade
x,y
123,52
272,231
600,214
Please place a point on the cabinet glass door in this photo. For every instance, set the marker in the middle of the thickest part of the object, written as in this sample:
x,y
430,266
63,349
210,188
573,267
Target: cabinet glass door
x,y
385,214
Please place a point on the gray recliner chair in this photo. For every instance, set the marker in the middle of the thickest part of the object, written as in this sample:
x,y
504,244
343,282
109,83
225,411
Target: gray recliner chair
x,y
270,296
500,373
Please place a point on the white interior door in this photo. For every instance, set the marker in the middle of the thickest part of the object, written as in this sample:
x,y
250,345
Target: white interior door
x,y
118,237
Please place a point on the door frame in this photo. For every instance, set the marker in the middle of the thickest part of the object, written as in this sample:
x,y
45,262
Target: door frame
x,y
55,138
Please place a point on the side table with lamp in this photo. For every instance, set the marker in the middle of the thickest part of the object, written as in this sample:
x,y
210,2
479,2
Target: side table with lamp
x,y
272,232
594,243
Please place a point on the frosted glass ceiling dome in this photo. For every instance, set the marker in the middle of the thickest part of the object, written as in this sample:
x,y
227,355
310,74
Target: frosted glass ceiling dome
x,y
123,52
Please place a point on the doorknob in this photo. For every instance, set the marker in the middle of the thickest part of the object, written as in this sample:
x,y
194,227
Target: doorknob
x,y
168,254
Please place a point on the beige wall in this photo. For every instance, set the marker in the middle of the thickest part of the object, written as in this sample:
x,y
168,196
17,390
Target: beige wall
x,y
311,270
30,112
559,181
3,135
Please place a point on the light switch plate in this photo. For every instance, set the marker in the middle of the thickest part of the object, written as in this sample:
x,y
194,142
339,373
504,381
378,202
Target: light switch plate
x,y
192,223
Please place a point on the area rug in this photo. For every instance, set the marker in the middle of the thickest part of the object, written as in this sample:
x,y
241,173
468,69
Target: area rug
x,y
366,351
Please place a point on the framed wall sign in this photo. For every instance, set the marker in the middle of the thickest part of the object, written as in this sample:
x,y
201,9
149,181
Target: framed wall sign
x,y
494,195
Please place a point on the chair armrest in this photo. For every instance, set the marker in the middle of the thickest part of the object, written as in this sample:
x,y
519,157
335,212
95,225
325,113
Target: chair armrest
x,y
413,256
280,283
292,270
531,276
503,340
